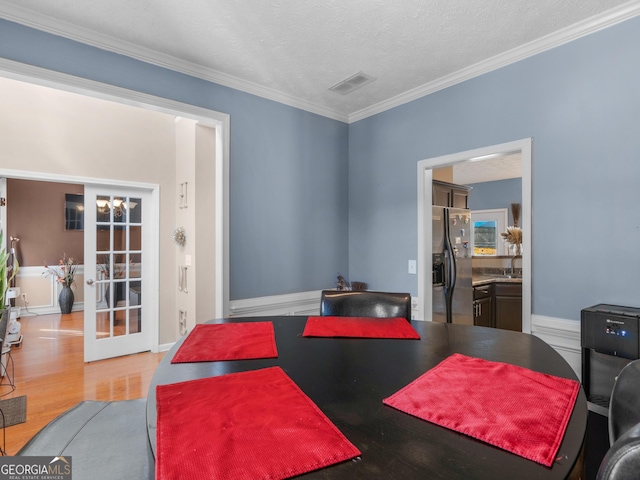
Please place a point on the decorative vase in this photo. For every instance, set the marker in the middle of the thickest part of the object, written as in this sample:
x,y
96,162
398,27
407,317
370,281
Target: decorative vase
x,y
118,294
65,299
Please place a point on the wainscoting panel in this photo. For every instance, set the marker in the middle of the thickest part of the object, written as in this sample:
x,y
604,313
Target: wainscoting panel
x,y
42,292
563,335
303,303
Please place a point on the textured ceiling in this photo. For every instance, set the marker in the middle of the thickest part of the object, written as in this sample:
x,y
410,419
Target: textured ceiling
x,y
489,170
295,50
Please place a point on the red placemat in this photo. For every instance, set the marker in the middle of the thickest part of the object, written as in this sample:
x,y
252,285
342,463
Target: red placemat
x,y
228,341
249,425
361,327
514,408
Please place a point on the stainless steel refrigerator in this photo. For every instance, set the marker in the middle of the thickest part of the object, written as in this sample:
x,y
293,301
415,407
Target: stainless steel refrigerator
x,y
452,288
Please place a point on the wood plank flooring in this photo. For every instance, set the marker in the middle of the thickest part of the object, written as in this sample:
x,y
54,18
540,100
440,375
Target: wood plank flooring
x,y
50,371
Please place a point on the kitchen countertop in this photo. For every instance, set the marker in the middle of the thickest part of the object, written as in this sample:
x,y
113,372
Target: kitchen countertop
x,y
486,279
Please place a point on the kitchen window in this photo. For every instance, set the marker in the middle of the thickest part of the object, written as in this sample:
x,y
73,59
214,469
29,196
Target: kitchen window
x,y
486,227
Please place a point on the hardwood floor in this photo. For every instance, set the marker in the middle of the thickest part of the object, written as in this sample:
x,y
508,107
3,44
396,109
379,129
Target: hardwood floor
x,y
50,371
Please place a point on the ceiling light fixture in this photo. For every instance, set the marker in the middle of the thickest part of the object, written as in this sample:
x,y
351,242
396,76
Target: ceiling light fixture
x,y
484,157
119,206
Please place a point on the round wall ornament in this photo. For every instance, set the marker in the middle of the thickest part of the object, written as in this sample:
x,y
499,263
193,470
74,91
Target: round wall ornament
x,y
179,236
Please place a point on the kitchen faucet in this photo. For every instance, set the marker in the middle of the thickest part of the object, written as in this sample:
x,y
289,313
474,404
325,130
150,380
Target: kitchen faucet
x,y
513,263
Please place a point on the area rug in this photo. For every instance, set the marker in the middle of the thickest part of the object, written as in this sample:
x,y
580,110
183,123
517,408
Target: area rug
x,y
228,341
14,411
514,408
360,327
249,425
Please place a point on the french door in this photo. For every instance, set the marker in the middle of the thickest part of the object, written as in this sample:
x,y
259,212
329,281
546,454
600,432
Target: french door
x,y
118,246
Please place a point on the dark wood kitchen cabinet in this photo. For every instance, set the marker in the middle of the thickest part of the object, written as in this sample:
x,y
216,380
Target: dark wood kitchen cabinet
x,y
482,306
508,306
450,195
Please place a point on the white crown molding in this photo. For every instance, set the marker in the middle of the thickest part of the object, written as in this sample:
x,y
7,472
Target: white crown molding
x,y
64,29
105,42
566,35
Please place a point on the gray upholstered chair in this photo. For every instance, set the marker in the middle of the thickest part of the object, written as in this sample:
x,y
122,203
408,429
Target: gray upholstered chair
x,y
352,303
107,440
622,461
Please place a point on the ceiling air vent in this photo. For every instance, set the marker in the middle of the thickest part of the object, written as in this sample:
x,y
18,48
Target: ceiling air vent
x,y
352,83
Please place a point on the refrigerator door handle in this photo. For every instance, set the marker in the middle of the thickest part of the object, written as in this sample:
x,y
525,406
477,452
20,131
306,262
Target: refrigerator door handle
x,y
452,272
451,269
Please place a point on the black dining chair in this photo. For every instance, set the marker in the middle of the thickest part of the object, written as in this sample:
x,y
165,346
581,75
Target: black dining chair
x,y
622,460
352,303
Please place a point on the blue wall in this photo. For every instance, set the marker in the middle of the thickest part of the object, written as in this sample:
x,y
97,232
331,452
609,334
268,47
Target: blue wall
x,y
292,172
581,104
496,194
288,167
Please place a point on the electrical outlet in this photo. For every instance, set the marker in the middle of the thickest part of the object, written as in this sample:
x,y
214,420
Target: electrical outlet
x,y
24,298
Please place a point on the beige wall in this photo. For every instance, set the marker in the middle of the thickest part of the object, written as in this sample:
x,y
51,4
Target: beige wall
x,y
50,131
35,215
195,146
185,215
205,223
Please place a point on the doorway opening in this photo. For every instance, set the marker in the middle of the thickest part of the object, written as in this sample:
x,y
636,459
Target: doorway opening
x,y
215,121
425,179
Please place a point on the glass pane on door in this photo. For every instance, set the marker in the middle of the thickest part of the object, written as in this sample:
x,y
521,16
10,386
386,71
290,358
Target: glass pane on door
x,y
118,260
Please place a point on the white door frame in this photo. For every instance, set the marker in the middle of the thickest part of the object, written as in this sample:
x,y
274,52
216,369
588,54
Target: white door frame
x,y
425,178
211,118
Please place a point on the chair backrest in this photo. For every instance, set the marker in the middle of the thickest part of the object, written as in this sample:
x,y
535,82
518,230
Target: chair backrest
x,y
622,461
342,303
624,407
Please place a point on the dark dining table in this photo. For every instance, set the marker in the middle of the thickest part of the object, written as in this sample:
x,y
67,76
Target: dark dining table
x,y
347,378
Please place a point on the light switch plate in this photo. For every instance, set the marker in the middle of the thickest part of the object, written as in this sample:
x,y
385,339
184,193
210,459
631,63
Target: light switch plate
x,y
412,267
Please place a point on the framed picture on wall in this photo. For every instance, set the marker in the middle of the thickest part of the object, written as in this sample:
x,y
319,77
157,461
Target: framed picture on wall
x,y
74,211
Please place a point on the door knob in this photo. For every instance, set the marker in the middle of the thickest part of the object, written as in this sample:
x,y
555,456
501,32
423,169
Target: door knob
x,y
90,281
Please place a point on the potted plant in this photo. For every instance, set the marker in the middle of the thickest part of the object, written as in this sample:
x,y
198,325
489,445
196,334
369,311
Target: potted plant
x,y
7,274
64,273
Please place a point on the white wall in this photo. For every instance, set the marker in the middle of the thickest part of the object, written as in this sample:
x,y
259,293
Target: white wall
x,y
205,201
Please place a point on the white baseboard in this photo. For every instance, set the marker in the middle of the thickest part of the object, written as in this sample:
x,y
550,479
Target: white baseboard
x,y
303,303
165,347
563,335
48,310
